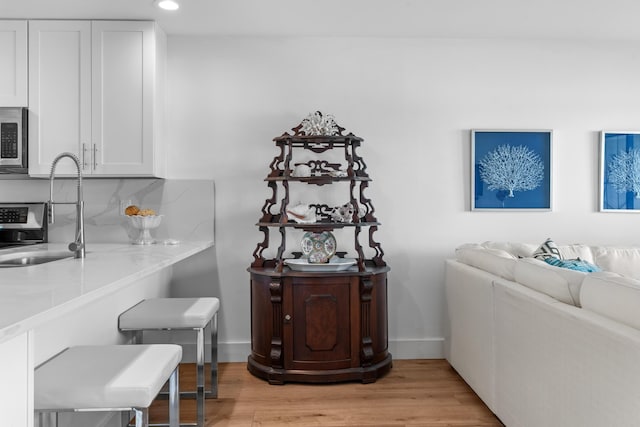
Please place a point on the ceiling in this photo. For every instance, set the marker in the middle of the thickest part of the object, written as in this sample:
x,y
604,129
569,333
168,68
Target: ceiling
x,y
556,19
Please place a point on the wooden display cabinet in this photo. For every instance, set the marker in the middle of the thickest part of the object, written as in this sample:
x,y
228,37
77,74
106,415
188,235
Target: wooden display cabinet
x,y
320,326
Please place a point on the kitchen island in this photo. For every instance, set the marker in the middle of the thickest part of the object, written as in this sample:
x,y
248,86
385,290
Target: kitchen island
x,y
48,307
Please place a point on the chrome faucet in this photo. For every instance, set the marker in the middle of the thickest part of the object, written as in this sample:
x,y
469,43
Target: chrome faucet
x,y
78,245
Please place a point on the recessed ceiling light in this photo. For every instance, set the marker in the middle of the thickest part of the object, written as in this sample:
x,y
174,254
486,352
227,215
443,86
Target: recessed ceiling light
x,y
167,4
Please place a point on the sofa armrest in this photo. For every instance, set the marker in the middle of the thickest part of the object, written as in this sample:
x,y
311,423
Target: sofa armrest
x,y
469,342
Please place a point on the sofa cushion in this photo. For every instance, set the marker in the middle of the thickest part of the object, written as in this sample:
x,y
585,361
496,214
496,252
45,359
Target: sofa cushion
x,y
495,261
547,249
526,250
624,261
612,296
559,283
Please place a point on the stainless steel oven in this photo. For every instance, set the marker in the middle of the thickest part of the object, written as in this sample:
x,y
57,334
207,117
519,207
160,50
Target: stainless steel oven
x,y
14,142
23,224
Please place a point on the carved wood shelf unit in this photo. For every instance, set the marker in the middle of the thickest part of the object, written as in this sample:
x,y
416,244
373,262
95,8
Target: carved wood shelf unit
x,y
318,326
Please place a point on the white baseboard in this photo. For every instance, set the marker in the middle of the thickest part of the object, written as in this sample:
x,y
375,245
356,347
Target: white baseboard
x,y
417,348
424,348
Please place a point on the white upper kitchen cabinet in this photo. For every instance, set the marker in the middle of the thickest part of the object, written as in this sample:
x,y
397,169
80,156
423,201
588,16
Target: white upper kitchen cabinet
x,y
128,60
97,89
60,93
13,63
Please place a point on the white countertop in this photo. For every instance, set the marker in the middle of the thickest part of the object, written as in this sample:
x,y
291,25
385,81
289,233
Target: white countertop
x,y
32,295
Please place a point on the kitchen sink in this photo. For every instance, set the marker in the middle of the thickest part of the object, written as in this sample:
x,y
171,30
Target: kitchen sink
x,y
24,259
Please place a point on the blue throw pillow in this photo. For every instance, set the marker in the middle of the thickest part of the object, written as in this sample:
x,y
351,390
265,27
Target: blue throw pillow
x,y
573,264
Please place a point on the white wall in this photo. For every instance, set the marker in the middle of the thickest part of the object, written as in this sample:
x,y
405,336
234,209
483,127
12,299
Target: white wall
x,y
414,102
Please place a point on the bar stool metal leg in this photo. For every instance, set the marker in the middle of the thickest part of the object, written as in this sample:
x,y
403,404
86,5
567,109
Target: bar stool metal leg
x,y
142,417
200,376
174,398
214,357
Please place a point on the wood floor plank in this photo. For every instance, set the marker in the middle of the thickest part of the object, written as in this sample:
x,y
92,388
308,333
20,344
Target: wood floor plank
x,y
415,393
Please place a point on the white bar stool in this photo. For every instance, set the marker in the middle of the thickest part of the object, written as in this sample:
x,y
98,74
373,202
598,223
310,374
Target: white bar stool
x,y
108,378
181,314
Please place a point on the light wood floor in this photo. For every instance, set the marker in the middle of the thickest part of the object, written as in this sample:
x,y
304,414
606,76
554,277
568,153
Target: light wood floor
x,y
413,393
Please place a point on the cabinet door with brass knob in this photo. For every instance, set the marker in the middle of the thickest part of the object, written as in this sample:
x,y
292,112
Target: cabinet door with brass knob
x,y
320,329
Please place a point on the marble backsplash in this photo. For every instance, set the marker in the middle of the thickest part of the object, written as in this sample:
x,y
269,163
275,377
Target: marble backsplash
x,y
187,206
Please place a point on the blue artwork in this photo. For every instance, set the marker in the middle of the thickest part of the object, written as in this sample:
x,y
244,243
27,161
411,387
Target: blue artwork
x,y
620,171
511,170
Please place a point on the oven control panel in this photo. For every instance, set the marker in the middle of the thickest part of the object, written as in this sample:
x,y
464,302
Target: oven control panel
x,y
23,216
14,215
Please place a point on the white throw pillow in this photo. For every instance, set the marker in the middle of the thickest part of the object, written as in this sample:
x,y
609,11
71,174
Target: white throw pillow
x,y
522,250
495,261
576,251
612,296
624,261
559,283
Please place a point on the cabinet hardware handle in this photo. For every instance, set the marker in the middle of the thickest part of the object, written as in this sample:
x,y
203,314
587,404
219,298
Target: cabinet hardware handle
x,y
84,160
95,157
287,317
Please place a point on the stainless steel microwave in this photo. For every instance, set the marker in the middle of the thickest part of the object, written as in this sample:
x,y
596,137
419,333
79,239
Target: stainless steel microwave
x,y
14,142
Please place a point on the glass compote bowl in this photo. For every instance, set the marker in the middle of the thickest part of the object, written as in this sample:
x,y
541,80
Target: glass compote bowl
x,y
144,225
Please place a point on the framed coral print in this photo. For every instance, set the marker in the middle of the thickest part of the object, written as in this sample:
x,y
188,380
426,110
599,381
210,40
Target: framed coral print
x,y
511,170
619,171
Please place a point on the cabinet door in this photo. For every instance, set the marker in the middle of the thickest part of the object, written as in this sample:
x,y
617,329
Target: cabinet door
x,y
320,332
13,63
60,93
16,371
123,97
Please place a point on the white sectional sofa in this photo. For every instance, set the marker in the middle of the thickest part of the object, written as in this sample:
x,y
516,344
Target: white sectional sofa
x,y
546,346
